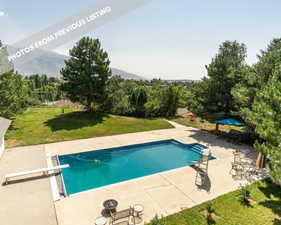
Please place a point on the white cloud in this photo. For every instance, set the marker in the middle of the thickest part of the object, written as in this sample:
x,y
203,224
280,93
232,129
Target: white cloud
x,y
2,13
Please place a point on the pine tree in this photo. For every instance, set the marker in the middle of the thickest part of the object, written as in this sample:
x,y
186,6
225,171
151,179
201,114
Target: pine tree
x,y
224,72
213,93
86,74
255,77
265,116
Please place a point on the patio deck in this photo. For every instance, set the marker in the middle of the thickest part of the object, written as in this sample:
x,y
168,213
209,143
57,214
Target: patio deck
x,y
28,200
163,194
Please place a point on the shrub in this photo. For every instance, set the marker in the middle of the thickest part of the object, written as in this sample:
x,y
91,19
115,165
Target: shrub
x,y
244,195
157,221
210,212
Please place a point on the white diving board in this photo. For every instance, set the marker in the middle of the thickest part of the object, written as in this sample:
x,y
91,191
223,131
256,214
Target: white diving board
x,y
42,170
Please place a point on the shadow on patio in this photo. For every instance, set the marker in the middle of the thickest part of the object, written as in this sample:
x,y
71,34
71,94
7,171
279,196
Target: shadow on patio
x,y
215,141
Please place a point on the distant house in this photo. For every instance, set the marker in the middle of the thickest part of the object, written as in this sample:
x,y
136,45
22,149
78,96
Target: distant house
x,y
4,125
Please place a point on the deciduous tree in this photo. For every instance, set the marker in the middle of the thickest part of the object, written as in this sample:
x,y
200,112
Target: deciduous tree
x,y
13,94
138,98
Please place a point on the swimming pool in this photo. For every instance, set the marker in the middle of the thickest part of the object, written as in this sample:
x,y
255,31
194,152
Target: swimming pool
x,y
95,169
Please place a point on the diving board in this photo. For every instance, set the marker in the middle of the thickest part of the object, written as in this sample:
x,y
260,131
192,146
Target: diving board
x,y
29,172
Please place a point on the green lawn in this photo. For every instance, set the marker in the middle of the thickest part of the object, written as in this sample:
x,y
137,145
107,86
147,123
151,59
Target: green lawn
x,y
46,125
267,210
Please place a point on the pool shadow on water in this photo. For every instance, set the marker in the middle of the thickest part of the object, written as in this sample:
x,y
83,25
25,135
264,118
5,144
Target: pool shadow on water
x,y
75,120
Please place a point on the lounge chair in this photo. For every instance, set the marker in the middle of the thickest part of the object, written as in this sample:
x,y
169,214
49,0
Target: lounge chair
x,y
123,217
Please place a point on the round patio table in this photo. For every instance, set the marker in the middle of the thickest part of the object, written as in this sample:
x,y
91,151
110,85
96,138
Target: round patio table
x,y
110,206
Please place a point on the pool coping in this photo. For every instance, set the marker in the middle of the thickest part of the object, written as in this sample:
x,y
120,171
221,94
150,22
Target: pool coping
x,y
140,144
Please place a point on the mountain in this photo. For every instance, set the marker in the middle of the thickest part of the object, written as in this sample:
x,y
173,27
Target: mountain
x,y
50,63
125,75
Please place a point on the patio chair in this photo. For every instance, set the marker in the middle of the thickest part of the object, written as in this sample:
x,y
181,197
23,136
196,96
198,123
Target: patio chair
x,y
123,217
251,172
237,165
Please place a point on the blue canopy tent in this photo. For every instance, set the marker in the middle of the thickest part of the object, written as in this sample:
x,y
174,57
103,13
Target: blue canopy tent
x,y
229,121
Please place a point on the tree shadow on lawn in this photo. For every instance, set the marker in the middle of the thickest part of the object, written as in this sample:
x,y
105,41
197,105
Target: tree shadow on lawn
x,y
12,126
276,222
274,205
272,191
75,120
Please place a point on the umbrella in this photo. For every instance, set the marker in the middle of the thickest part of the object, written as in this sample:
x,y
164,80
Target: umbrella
x,y
229,121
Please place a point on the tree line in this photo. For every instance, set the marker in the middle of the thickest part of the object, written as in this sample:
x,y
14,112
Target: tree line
x,y
18,92
87,79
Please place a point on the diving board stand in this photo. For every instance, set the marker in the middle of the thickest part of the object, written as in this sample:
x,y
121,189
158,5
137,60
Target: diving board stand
x,y
45,171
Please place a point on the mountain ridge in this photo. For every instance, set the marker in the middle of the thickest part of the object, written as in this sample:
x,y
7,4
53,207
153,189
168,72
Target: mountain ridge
x,y
50,63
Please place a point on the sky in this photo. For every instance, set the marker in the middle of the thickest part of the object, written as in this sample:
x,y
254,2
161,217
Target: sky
x,y
168,39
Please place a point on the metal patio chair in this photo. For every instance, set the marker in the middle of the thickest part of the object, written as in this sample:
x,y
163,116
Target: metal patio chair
x,y
237,165
123,217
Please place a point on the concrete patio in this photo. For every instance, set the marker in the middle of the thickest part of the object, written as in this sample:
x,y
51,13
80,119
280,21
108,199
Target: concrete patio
x,y
27,200
163,194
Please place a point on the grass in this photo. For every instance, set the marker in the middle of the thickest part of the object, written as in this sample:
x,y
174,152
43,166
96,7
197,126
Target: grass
x,y
204,124
267,211
47,125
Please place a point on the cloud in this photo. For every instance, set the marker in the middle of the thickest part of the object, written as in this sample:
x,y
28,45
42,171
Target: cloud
x,y
2,13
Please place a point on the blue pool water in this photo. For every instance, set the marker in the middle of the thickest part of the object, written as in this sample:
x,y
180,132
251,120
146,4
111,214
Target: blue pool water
x,y
94,169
